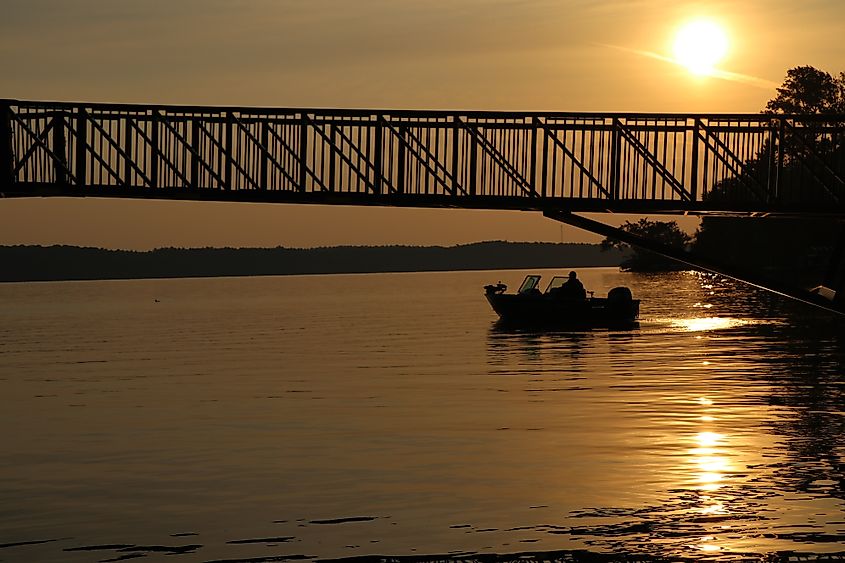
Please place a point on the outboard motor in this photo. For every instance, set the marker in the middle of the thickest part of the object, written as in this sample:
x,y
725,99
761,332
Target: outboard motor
x,y
621,301
620,295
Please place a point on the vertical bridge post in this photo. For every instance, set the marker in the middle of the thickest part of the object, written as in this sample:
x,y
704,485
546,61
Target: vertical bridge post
x,y
127,148
532,174
59,149
194,175
81,167
615,158
400,161
303,151
693,179
229,143
771,172
154,149
333,156
456,140
378,164
264,128
781,151
544,173
473,159
7,177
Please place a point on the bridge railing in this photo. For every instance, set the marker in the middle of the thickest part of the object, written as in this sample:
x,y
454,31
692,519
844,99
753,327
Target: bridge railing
x,y
475,159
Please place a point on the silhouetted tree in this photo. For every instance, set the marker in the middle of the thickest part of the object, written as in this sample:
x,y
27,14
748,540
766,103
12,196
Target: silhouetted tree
x,y
809,91
665,232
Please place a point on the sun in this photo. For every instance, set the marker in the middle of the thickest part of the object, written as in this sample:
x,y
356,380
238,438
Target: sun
x,y
700,45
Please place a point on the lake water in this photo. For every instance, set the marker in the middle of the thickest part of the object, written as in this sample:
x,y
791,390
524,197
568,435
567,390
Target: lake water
x,y
262,419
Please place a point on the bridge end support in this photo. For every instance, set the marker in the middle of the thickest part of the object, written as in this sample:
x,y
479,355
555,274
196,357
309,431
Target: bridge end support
x,y
833,286
6,165
830,300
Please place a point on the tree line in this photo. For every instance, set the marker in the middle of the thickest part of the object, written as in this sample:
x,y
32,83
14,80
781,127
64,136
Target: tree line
x,y
38,263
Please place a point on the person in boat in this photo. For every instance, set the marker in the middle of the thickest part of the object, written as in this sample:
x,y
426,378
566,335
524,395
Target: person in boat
x,y
573,288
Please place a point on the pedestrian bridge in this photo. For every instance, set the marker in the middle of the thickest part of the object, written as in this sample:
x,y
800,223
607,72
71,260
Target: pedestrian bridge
x,y
547,161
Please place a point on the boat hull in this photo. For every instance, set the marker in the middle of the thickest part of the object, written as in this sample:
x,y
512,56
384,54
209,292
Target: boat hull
x,y
546,310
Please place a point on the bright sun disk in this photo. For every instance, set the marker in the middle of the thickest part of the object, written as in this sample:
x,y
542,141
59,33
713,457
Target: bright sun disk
x,y
700,45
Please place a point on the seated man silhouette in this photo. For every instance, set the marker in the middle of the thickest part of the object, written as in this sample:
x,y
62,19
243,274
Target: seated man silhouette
x,y
573,288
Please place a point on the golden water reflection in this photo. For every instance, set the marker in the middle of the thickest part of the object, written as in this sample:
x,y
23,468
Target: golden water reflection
x,y
701,324
710,463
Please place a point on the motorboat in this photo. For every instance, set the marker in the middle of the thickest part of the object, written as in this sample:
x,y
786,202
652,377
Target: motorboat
x,y
558,305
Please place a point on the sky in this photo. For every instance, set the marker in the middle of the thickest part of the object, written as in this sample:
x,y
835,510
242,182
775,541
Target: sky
x,y
565,55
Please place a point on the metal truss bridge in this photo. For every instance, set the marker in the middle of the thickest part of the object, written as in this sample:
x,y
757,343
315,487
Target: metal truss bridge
x,y
551,162
557,163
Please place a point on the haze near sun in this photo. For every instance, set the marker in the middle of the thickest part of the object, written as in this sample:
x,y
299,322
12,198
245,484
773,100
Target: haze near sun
x,y
700,45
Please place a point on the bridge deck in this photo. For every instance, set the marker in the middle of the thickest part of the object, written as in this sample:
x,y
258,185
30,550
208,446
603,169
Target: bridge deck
x,y
635,163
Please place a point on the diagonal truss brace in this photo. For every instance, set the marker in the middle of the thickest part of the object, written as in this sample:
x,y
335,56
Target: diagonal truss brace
x,y
96,156
584,170
818,157
155,151
59,161
90,119
652,159
34,147
221,148
735,165
425,158
497,157
264,150
275,134
362,174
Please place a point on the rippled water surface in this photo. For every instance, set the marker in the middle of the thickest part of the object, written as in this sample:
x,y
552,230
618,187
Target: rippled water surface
x,y
334,416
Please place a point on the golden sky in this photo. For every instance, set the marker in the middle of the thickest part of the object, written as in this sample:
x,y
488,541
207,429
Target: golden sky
x,y
568,55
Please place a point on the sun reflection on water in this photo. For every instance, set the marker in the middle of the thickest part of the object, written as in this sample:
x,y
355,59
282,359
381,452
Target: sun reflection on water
x,y
706,439
709,465
701,324
716,508
708,546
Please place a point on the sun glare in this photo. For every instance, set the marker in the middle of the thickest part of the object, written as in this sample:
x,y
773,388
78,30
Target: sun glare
x,y
700,45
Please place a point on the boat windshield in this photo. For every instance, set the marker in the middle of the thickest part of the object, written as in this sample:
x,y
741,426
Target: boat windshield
x,y
530,283
556,282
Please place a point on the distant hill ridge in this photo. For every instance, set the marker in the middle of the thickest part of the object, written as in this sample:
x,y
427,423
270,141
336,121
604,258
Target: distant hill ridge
x,y
39,263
